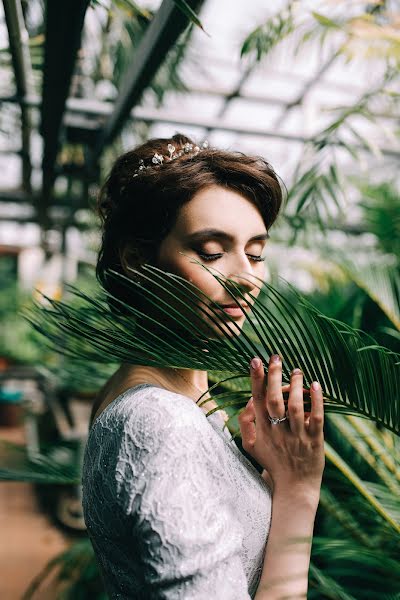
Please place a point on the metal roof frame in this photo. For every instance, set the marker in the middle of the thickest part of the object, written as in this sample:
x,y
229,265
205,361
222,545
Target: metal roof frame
x,y
87,110
64,24
163,31
22,68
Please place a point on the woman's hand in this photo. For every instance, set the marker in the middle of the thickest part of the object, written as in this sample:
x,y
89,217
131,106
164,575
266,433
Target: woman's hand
x,y
291,451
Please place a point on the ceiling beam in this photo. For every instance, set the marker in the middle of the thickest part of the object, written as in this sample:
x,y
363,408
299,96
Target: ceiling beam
x,y
306,89
64,24
160,36
98,109
212,124
22,67
101,109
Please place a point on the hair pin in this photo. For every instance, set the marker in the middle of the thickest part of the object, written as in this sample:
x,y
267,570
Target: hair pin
x,y
158,159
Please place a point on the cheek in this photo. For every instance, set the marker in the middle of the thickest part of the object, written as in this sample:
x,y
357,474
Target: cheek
x,y
200,278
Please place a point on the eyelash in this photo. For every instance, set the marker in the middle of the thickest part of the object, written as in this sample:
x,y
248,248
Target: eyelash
x,y
216,256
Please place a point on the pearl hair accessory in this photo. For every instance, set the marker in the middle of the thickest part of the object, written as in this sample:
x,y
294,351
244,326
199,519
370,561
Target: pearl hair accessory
x,y
159,159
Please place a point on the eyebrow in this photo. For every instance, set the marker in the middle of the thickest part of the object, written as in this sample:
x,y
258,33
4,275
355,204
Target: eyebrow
x,y
218,234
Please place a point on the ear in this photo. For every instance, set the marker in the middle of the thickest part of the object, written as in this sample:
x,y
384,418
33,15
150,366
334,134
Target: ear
x,y
130,258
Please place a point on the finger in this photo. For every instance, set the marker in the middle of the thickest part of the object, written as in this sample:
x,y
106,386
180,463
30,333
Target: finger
x,y
247,425
295,404
258,386
275,404
306,396
285,394
316,426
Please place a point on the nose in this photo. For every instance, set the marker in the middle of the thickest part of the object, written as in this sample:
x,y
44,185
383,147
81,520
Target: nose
x,y
243,276
245,282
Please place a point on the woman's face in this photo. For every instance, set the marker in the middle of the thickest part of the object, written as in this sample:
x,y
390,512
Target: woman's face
x,y
226,232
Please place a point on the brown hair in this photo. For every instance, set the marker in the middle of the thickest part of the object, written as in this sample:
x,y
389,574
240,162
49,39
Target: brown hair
x,y
138,212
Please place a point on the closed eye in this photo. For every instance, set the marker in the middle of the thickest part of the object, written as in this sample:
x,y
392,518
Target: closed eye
x,y
217,256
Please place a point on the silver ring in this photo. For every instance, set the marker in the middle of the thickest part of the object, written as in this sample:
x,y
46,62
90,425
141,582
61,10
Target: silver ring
x,y
277,420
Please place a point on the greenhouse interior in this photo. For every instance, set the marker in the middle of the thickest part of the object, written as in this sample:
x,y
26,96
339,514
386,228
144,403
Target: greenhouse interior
x,y
313,88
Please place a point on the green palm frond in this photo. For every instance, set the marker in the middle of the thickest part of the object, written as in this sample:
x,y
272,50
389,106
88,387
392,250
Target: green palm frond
x,y
379,277
381,214
387,499
265,37
317,194
338,512
366,30
362,572
189,13
378,502
16,464
323,586
358,442
357,375
77,566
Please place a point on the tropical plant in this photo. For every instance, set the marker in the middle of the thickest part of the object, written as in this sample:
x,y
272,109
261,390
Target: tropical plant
x,y
338,340
321,346
359,30
361,470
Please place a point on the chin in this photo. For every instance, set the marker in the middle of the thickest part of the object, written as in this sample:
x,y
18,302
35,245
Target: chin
x,y
229,327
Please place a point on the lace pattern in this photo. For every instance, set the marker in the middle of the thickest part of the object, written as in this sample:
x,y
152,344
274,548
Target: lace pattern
x,y
173,509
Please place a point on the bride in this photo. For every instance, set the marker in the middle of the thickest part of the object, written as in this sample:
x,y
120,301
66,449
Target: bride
x,y
173,508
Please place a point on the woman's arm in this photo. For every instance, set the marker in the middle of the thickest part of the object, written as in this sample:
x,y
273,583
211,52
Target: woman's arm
x,y
287,560
292,455
179,512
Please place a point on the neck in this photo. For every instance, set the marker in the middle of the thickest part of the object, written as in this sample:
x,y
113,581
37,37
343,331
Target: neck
x,y
189,382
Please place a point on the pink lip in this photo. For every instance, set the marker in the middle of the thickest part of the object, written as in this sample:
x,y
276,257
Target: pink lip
x,y
245,306
233,310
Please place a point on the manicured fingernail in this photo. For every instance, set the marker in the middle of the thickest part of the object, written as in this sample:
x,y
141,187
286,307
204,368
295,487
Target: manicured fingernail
x,y
255,363
275,358
315,385
296,371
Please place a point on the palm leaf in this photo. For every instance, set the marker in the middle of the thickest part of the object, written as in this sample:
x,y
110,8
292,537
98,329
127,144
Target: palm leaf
x,y
17,465
342,516
358,441
189,13
327,587
388,514
379,277
357,375
267,36
362,572
76,564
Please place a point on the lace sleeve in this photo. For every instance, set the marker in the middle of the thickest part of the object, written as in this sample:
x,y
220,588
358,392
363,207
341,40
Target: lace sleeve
x,y
172,489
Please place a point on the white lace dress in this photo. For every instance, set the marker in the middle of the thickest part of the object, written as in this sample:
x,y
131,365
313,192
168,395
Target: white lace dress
x,y
173,509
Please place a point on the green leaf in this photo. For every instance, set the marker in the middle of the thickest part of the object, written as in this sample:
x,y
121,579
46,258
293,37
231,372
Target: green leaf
x,y
17,465
357,375
325,21
378,275
189,13
364,488
265,37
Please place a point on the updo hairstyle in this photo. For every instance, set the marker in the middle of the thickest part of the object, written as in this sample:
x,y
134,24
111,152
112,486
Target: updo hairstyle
x,y
138,212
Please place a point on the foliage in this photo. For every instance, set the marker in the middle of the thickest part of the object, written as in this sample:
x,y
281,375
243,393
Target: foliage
x,y
322,347
355,550
264,38
380,204
53,464
363,29
360,31
18,342
77,574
